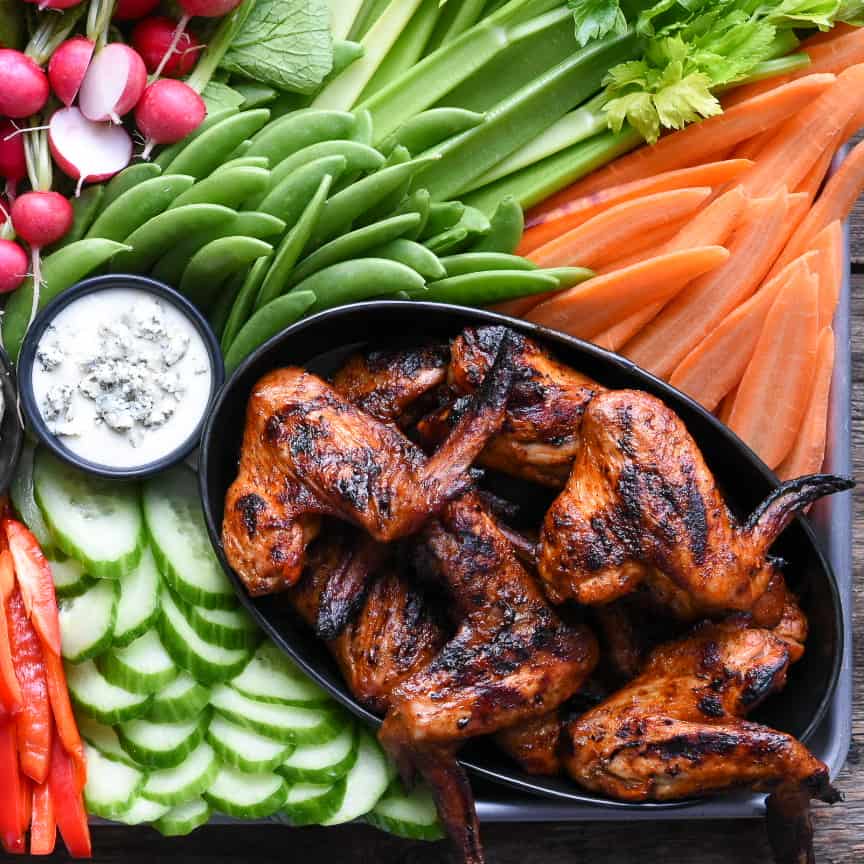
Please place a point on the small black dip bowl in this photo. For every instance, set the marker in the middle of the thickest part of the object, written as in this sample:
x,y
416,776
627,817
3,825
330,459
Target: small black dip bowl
x,y
11,433
27,359
322,342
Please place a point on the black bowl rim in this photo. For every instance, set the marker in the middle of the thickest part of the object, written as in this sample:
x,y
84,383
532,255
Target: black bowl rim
x,y
492,318
27,356
11,431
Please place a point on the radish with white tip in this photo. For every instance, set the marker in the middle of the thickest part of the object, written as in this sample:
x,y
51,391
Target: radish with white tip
x,y
115,80
68,66
132,10
24,87
13,266
13,160
168,111
86,151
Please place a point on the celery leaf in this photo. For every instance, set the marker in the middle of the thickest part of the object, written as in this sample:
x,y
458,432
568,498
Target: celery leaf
x,y
595,19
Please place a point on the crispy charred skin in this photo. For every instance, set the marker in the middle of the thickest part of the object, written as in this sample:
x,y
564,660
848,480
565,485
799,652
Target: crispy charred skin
x,y
640,494
535,745
308,451
540,435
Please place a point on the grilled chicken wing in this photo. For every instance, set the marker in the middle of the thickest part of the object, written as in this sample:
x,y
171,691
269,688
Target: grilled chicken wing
x,y
641,494
308,451
535,745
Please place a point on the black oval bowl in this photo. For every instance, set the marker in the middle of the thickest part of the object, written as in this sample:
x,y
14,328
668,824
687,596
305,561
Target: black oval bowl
x,y
11,433
27,357
321,344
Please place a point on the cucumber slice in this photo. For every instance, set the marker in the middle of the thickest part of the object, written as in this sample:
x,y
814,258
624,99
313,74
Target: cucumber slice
x,y
365,783
162,745
411,815
87,621
141,810
244,748
205,662
246,796
311,803
271,677
227,628
287,723
24,498
184,819
94,520
142,667
188,780
322,763
139,600
70,580
182,699
182,548
105,740
111,785
100,700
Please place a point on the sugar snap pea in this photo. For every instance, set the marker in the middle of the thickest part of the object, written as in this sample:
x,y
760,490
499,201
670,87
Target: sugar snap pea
x,y
442,215
244,162
417,202
506,226
288,199
386,206
127,178
568,276
244,302
219,310
60,270
285,136
214,263
292,245
352,281
475,221
474,262
427,130
353,245
413,255
363,131
255,95
230,187
85,207
210,149
489,286
166,156
265,323
447,242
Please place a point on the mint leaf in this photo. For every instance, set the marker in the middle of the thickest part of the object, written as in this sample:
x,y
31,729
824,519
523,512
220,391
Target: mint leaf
x,y
805,13
284,43
219,97
595,19
852,12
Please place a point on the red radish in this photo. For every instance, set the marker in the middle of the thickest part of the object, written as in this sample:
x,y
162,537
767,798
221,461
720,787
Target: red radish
x,y
24,88
114,82
13,161
168,111
13,266
86,151
132,10
152,38
68,66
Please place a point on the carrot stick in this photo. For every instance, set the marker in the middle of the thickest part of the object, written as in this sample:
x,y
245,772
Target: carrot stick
x,y
596,241
724,411
649,245
695,144
573,213
823,36
598,303
808,452
752,147
829,268
716,364
775,389
691,316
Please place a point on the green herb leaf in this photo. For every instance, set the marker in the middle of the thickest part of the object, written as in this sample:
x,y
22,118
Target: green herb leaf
x,y
219,97
595,19
805,13
638,110
284,43
852,12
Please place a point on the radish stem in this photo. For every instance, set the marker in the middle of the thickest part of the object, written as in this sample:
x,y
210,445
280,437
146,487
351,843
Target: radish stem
x,y
51,32
38,155
99,21
218,45
179,30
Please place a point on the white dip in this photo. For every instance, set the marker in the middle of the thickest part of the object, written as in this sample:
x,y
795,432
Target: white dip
x,y
121,377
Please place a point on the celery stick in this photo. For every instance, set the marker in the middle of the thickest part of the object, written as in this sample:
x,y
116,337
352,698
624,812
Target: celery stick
x,y
342,92
457,18
343,14
370,11
772,68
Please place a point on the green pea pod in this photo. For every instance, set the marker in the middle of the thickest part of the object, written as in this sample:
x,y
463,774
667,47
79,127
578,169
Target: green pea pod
x,y
230,188
137,205
244,162
386,206
244,302
85,207
266,323
292,245
475,262
474,221
160,232
413,255
490,286
448,241
213,264
285,136
240,151
417,202
569,276
427,130
60,270
354,245
169,154
127,178
288,199
210,149
255,95
352,281
363,131
218,313
507,224
442,215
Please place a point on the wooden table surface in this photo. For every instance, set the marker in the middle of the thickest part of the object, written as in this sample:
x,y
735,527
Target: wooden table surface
x,y
839,829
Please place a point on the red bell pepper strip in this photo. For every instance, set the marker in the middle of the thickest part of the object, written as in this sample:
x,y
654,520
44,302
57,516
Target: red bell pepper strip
x,y
12,828
33,573
26,800
64,717
11,700
43,827
33,722
68,801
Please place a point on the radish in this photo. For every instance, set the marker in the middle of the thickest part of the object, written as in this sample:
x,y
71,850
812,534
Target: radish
x,y
58,4
24,90
87,151
153,37
68,66
132,10
13,266
114,82
13,161
168,111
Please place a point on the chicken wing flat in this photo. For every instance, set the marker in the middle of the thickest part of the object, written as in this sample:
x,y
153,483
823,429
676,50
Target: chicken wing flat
x,y
308,451
535,745
640,494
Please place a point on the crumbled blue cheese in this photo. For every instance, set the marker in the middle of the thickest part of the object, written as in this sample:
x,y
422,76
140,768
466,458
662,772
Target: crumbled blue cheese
x,y
49,354
57,410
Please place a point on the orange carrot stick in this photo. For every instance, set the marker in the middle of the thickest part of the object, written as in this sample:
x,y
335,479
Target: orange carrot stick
x,y
808,452
752,147
823,36
829,269
649,245
775,389
724,410
598,303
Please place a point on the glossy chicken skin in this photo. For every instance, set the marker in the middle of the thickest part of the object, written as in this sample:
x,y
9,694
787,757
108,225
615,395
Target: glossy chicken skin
x,y
641,494
535,745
